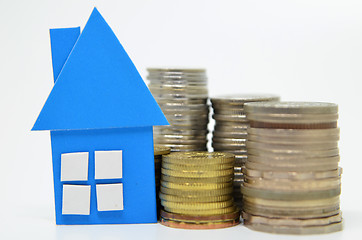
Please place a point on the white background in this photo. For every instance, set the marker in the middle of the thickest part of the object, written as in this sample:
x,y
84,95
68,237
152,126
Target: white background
x,y
303,50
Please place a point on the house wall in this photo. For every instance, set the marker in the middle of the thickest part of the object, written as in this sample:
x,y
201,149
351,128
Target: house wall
x,y
138,173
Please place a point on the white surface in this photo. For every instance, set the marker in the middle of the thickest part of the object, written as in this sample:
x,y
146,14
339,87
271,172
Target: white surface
x,y
76,199
108,164
302,50
109,197
74,166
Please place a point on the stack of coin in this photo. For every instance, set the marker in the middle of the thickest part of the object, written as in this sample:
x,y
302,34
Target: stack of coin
x,y
158,152
230,131
182,95
292,181
196,190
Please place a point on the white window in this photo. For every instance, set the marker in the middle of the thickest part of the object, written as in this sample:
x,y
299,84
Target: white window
x,y
74,166
110,197
108,164
76,199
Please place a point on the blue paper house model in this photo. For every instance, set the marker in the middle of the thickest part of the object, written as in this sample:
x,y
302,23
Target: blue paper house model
x,y
100,115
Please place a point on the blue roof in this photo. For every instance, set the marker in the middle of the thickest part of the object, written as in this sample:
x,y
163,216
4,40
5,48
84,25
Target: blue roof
x,y
99,87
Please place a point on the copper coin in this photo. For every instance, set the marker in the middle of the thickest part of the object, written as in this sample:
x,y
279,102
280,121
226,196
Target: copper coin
x,y
190,218
211,225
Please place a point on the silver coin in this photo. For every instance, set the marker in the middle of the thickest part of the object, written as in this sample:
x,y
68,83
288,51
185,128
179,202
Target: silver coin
x,y
230,118
188,123
229,112
177,87
231,129
238,135
229,140
300,213
171,92
293,175
180,132
179,127
178,96
289,146
292,118
292,139
291,107
159,140
322,229
182,107
299,160
292,186
182,102
292,222
294,152
185,112
227,147
267,132
288,168
239,161
239,99
181,137
185,146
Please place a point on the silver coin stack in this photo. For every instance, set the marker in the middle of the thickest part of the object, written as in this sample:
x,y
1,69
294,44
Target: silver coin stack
x,y
292,181
230,132
182,95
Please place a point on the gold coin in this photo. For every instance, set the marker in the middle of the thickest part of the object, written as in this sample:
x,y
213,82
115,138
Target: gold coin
x,y
190,167
173,198
209,212
197,174
196,192
161,150
200,158
196,186
224,179
334,227
197,206
292,222
297,203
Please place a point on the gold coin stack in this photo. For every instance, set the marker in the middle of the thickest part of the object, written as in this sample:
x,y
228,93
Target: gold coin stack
x,y
158,152
292,181
182,95
230,132
196,190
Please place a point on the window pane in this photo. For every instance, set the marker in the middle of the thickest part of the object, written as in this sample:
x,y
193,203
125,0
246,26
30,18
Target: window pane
x,y
110,197
74,166
76,199
108,164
